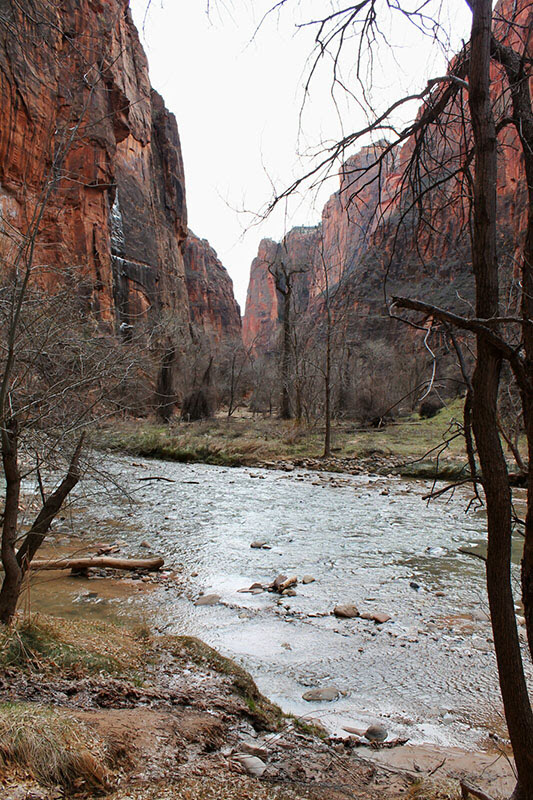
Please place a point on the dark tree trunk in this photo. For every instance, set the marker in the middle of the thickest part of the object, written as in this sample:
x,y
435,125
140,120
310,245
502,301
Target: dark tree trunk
x,y
51,507
165,397
285,401
485,414
10,591
517,71
327,387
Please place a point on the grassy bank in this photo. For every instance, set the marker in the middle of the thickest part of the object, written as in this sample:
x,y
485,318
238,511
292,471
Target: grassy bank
x,y
412,445
90,709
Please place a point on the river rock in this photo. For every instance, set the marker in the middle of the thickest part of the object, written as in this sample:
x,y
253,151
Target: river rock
x,y
308,579
328,693
292,581
376,616
289,593
259,545
253,750
277,582
376,733
252,764
207,600
145,544
346,611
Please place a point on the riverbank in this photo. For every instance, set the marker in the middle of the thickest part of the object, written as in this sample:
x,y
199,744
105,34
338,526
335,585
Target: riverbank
x,y
90,709
412,447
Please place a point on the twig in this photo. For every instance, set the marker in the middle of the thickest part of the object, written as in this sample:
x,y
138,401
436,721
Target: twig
x,y
471,553
158,478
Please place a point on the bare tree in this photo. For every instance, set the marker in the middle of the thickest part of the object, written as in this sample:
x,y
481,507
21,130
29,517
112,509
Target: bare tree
x,y
451,163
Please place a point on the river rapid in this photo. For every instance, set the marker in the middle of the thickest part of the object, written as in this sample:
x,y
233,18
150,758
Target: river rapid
x,y
428,674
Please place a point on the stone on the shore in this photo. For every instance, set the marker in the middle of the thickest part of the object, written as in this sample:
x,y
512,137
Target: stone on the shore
x,y
252,764
258,545
346,611
253,750
376,616
145,544
289,593
376,733
308,579
207,600
328,693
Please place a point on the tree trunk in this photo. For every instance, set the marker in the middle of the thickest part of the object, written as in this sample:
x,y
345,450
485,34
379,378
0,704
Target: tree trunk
x,y
165,396
285,402
10,591
51,507
74,563
485,382
327,388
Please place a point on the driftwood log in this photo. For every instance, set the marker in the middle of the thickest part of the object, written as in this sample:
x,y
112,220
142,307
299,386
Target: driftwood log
x,y
80,564
467,789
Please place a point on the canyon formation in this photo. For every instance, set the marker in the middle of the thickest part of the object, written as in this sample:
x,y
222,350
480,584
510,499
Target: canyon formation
x,y
91,172
372,242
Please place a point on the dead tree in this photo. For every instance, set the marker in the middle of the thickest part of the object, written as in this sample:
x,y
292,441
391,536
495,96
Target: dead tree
x,y
485,91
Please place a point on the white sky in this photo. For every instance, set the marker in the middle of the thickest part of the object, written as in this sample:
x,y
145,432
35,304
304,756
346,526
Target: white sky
x,y
237,100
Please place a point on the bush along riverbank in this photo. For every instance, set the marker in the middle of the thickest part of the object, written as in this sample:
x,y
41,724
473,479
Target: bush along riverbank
x,y
89,709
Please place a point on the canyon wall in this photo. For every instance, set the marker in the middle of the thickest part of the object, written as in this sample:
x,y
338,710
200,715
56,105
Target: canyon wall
x,y
364,248
213,308
91,167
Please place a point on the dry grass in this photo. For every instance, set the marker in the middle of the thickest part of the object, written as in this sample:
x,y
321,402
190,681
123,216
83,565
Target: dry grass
x,y
246,440
40,642
52,748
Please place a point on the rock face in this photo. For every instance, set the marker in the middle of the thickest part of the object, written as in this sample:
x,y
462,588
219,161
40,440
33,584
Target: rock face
x,y
213,308
88,147
297,252
358,240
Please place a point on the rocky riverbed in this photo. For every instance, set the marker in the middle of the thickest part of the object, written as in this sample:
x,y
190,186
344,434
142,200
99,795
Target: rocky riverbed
x,y
415,656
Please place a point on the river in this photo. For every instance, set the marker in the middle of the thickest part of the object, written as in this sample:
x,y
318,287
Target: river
x,y
429,673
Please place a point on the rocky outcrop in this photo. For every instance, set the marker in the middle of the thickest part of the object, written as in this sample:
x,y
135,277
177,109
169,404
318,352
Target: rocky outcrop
x,y
361,239
213,308
91,170
296,255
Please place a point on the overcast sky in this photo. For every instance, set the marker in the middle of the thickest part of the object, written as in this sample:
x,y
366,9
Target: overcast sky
x,y
237,99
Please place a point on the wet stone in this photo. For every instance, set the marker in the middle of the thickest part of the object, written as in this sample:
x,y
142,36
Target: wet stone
x,y
328,693
207,600
346,611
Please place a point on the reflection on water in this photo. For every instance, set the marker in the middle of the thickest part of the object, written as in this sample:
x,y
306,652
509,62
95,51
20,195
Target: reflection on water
x,y
371,541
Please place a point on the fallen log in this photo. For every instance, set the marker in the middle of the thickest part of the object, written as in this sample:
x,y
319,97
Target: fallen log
x,y
467,789
149,564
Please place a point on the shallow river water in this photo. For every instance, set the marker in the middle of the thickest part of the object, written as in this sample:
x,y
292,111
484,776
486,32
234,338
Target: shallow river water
x,y
428,673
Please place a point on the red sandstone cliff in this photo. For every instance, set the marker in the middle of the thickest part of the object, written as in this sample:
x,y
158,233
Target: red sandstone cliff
x,y
79,118
213,308
359,236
